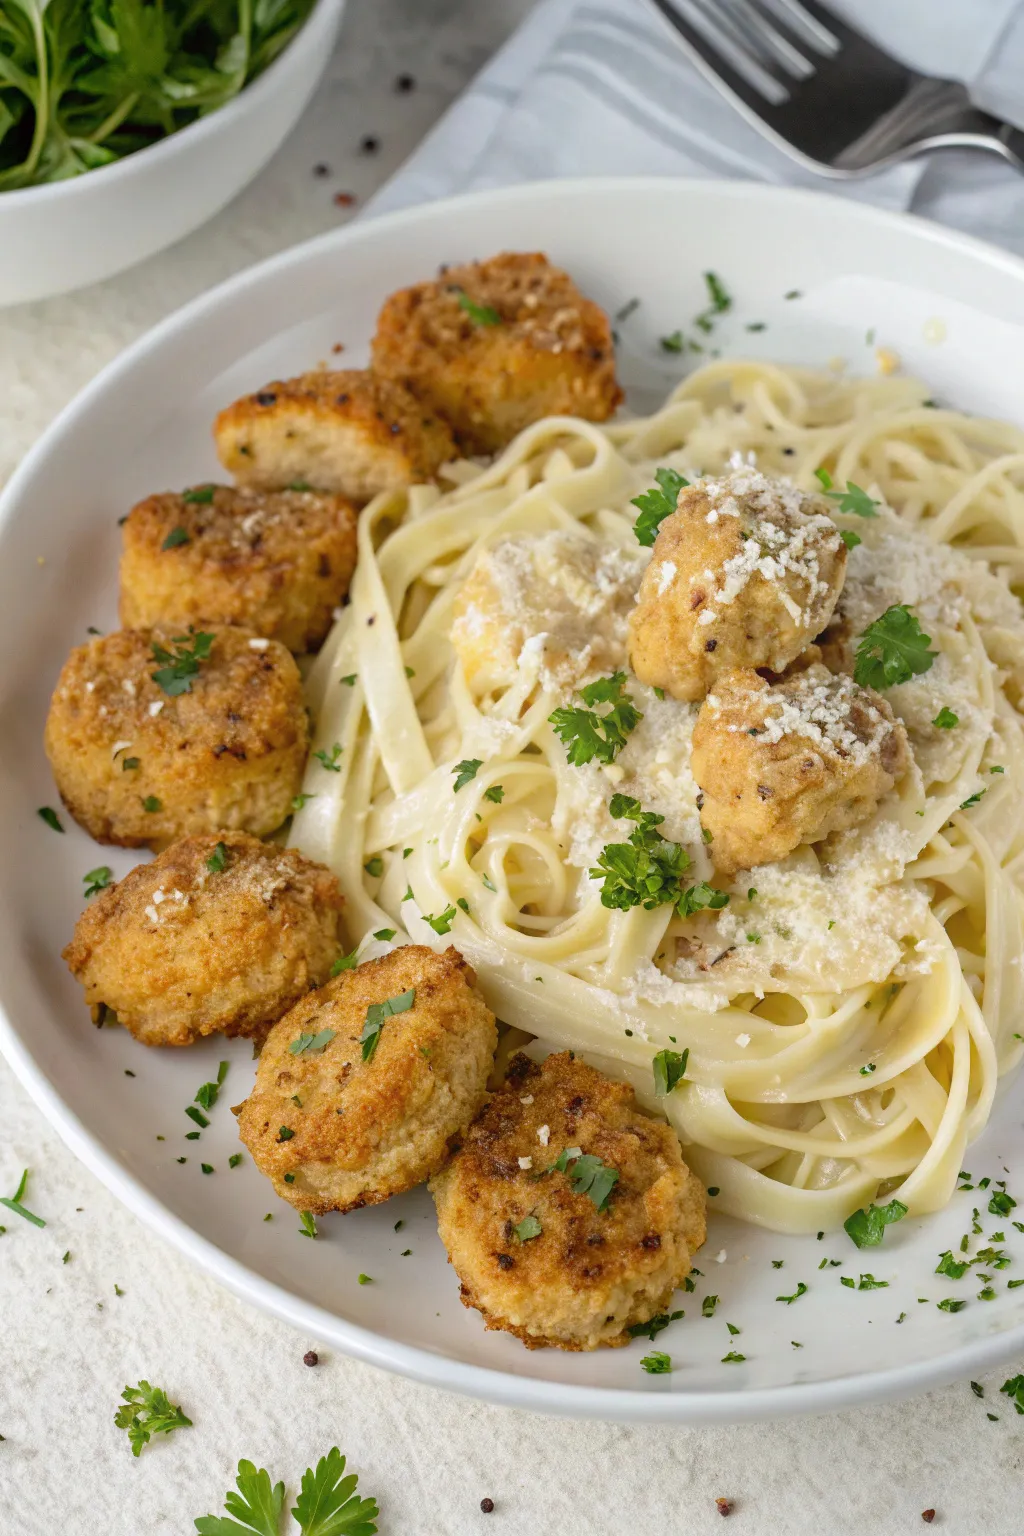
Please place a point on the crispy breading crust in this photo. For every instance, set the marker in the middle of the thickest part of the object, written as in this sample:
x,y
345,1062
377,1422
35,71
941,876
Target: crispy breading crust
x,y
228,754
275,563
763,798
767,624
362,1131
179,951
550,354
591,1274
348,432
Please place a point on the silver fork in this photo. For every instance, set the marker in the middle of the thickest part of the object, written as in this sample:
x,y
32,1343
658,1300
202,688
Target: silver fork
x,y
824,93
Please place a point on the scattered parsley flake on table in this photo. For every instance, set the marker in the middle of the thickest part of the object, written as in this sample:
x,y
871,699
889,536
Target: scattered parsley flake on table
x,y
657,1363
14,1203
866,1227
146,1411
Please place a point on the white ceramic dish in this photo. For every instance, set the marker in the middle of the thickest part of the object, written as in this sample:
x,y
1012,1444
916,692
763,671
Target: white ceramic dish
x,y
144,425
69,234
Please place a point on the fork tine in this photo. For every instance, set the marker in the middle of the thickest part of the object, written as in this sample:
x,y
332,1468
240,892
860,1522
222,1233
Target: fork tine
x,y
821,23
752,84
782,46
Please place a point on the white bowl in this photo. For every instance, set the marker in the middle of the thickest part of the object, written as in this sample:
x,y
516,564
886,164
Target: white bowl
x,y
144,424
68,234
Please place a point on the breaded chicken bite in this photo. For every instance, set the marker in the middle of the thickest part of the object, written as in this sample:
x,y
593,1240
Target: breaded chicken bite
x,y
220,934
785,764
744,573
568,1214
569,596
362,1087
350,433
275,563
498,344
154,734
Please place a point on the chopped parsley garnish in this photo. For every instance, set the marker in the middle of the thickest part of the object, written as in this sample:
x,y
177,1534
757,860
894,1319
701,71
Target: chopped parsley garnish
x,y
207,1167
175,537
329,760
951,1304
801,1290
997,769
1014,1389
488,882
656,505
587,1174
442,923
308,1228
673,343
376,1016
946,719
697,898
349,681
586,734
496,793
732,1358
345,962
151,804
867,1227
849,538
720,300
311,1042
868,1068
528,1228
14,1203
657,1363
218,859
385,934
480,314
129,764
647,871
146,1411
708,1305
200,1120
892,650
869,1283
1001,1204
97,879
954,1268
285,1133
654,1325
179,667
49,815
465,772
972,800
364,1279
853,501
234,1159
374,866
200,493
669,1069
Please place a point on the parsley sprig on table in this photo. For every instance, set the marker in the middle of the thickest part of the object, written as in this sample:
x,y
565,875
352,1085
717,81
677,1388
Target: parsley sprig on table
x,y
655,505
892,650
82,85
147,1411
179,667
327,1504
586,734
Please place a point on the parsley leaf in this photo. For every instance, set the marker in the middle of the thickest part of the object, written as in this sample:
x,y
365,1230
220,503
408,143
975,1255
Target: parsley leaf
x,y
972,800
656,505
480,314
654,1325
669,1069
853,501
465,772
892,650
698,897
175,537
1001,1204
308,1227
801,1290
377,1014
14,1203
97,879
207,1094
330,760
217,861
345,962
145,1412
257,1504
1014,1389
587,1174
49,815
179,667
311,1042
954,1268
586,734
657,1363
496,793
328,1505
198,493
849,538
647,871
443,922
528,1228
946,719
867,1227
951,1304
673,343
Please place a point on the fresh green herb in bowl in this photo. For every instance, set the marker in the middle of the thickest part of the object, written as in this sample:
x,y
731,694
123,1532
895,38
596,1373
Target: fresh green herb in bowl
x,y
87,82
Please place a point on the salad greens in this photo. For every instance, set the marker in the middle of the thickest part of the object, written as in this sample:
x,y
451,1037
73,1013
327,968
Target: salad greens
x,y
86,82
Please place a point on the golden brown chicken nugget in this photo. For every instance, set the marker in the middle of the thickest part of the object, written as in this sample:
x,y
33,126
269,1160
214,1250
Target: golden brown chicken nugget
x,y
154,734
219,934
568,1214
362,1087
350,433
276,563
496,345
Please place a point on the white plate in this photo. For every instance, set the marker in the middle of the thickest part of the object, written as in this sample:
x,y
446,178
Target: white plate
x,y
143,425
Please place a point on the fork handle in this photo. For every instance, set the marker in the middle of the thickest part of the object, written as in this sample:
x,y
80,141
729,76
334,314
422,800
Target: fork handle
x,y
980,130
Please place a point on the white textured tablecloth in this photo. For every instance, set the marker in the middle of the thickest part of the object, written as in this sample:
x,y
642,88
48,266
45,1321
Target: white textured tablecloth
x,y
68,1341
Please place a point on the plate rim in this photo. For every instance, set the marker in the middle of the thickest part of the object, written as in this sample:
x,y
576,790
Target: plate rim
x,y
506,1388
